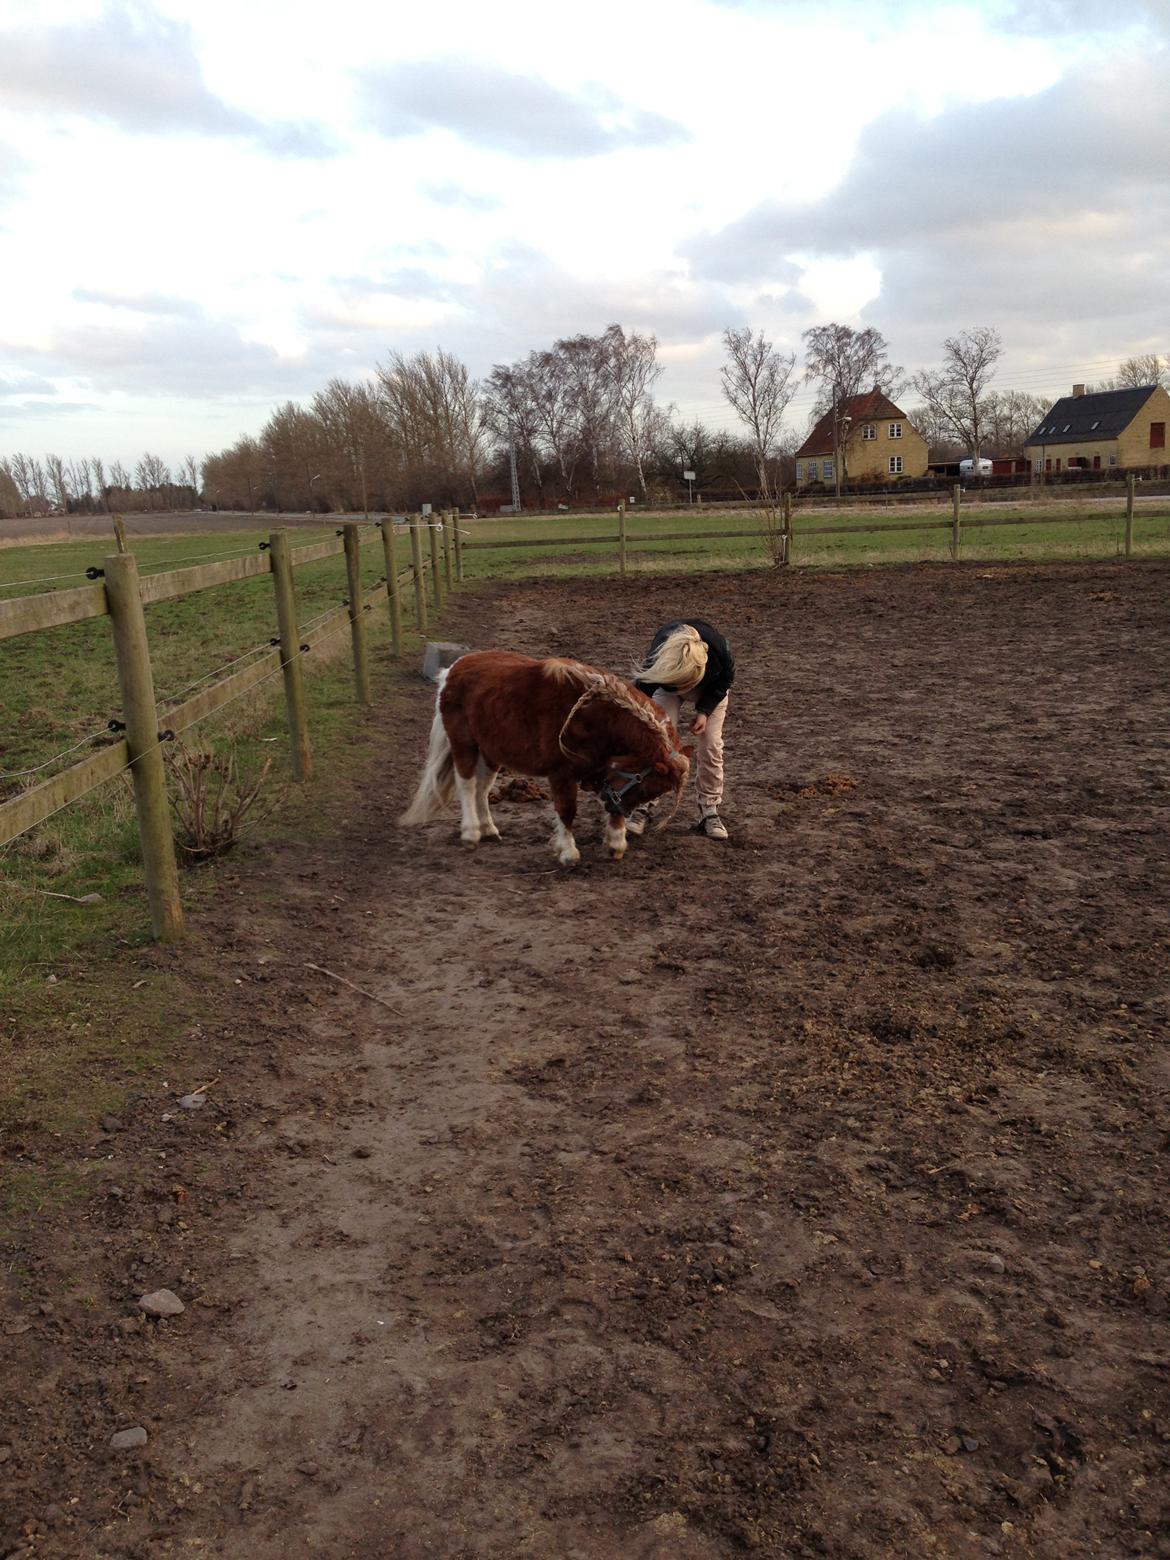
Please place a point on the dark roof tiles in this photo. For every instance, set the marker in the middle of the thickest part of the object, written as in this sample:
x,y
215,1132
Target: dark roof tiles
x,y
1101,415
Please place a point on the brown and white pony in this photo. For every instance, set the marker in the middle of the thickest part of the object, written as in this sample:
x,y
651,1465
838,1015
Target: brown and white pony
x,y
562,720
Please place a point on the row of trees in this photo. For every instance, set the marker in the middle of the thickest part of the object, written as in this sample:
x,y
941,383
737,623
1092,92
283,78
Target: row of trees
x,y
576,421
29,486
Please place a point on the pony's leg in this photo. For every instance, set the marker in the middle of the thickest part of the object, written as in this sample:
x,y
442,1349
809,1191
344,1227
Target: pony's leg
x,y
485,778
466,761
564,799
615,836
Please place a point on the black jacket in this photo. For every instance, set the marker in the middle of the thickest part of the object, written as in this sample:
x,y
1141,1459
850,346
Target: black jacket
x,y
720,673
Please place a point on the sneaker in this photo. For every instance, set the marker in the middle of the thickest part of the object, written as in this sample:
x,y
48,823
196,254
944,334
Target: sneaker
x,y
637,821
712,825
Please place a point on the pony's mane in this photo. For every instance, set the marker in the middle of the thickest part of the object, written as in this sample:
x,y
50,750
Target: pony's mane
x,y
561,669
604,685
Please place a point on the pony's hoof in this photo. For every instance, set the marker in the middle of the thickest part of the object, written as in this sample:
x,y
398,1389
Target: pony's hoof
x,y
469,843
491,834
615,855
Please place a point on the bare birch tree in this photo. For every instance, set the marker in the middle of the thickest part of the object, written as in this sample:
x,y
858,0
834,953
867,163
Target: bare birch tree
x,y
957,392
634,371
759,382
513,416
98,467
58,482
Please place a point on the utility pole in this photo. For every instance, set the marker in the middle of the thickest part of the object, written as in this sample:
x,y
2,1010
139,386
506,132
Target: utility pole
x,y
515,477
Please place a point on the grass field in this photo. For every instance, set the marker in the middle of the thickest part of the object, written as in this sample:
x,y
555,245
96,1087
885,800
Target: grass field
x,y
1060,531
59,688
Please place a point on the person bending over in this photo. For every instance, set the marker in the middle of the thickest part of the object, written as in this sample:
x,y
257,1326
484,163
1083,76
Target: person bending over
x,y
690,660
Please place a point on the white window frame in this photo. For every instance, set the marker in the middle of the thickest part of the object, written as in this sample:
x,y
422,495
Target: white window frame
x,y
895,465
895,430
1113,460
826,471
869,431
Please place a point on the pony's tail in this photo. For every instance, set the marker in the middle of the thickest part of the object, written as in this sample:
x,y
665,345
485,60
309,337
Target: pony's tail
x,y
437,785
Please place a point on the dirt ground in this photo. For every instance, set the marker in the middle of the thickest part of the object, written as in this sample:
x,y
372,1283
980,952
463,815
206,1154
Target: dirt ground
x,y
805,1196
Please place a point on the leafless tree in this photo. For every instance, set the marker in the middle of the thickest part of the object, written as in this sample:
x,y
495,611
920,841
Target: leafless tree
x,y
58,482
556,414
97,465
841,360
1136,372
352,420
189,474
80,482
513,416
1009,418
11,501
587,374
634,371
957,392
759,381
718,459
151,476
21,468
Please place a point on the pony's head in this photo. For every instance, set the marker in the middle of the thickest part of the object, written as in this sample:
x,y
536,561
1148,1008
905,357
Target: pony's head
x,y
633,782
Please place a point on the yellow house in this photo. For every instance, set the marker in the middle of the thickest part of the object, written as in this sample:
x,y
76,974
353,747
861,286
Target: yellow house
x,y
880,444
1105,430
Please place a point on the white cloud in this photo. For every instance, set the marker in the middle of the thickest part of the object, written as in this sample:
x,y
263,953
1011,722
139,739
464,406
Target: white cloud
x,y
491,107
137,68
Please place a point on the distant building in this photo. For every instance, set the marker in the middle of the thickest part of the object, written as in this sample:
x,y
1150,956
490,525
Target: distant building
x,y
1107,429
880,444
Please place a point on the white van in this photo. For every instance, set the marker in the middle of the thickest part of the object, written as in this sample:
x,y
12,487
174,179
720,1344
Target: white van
x,y
975,468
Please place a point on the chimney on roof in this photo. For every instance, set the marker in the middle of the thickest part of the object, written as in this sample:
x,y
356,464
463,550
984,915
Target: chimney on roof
x,y
1078,391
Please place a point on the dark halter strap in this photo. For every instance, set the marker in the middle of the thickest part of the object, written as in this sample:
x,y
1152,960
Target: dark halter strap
x,y
613,797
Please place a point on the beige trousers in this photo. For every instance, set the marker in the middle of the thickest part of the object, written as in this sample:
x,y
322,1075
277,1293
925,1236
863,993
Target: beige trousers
x,y
709,747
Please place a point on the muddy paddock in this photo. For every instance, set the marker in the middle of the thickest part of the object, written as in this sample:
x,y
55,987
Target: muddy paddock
x,y
803,1196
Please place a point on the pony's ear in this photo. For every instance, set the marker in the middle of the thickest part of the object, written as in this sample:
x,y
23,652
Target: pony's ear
x,y
661,769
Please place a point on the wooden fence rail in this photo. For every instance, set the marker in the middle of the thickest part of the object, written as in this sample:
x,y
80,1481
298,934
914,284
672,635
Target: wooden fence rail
x,y
123,595
623,541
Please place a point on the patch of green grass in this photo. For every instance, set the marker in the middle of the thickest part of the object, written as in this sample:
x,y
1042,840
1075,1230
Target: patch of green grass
x,y
60,684
1052,529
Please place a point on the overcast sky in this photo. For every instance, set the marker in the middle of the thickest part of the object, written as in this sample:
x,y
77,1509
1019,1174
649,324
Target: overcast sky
x,y
206,209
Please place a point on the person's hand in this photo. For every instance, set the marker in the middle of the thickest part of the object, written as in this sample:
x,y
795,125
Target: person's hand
x,y
698,725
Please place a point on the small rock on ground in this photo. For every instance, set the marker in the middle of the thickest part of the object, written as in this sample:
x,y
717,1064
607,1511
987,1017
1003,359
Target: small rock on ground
x,y
161,1303
127,1440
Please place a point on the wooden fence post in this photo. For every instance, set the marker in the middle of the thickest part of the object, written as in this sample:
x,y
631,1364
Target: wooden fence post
x,y
436,570
622,537
357,616
458,540
956,499
447,572
290,655
136,680
1129,488
788,528
420,584
387,528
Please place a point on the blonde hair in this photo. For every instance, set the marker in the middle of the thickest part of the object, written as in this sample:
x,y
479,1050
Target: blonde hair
x,y
679,662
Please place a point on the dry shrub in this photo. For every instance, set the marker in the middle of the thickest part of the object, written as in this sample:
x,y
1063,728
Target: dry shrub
x,y
213,803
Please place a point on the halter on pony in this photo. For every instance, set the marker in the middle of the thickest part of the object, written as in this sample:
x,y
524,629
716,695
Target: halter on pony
x,y
610,796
